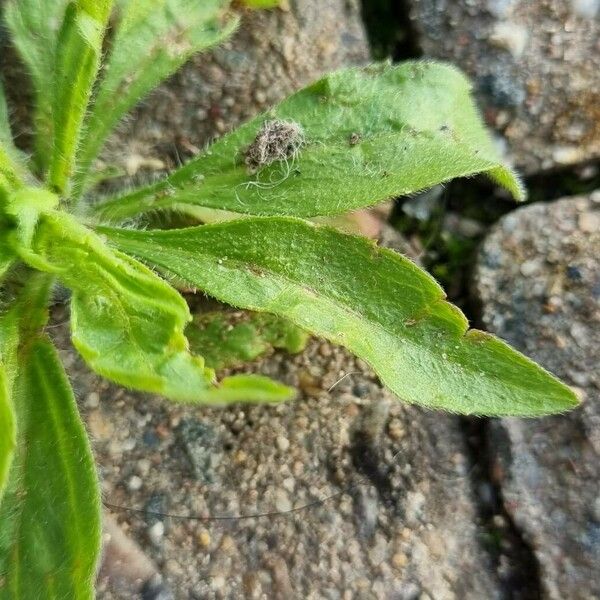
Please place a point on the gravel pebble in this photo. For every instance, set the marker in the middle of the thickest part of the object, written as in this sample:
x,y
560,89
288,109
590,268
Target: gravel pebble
x,y
156,533
134,484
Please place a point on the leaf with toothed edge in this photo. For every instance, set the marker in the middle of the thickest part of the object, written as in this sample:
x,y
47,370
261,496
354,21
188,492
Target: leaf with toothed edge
x,y
377,303
369,134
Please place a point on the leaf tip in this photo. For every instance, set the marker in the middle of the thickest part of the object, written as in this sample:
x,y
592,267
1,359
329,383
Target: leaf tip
x,y
510,181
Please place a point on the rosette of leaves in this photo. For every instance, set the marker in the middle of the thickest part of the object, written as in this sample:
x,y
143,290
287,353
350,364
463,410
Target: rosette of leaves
x,y
352,139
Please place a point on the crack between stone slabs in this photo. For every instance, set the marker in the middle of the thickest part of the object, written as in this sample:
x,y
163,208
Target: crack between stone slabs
x,y
366,459
391,31
374,490
562,181
515,565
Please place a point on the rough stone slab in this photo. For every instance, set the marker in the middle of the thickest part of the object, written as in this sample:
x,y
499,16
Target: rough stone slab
x,y
536,68
389,509
538,280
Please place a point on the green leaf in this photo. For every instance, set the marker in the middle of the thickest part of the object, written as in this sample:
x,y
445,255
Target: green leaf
x,y
6,261
153,39
34,27
8,343
375,302
354,138
50,515
5,132
78,54
11,163
6,254
21,318
25,206
261,4
7,429
128,324
231,339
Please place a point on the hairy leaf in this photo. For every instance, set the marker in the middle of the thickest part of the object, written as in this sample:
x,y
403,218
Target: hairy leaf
x,y
7,429
21,319
153,39
11,163
375,302
5,133
128,324
8,343
354,138
6,260
34,27
23,208
78,54
50,515
230,339
7,255
9,177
